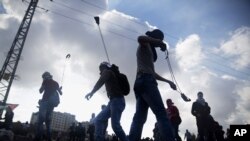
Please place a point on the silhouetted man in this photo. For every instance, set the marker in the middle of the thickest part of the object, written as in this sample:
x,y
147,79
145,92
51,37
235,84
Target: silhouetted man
x,y
188,136
201,111
146,90
115,106
49,88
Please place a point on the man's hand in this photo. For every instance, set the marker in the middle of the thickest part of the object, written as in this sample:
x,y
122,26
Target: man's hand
x,y
163,46
88,96
172,85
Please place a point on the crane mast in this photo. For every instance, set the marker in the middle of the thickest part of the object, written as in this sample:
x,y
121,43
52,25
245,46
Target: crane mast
x,y
7,73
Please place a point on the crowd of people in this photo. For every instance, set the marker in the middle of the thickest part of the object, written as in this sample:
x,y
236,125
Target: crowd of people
x,y
147,95
77,132
208,128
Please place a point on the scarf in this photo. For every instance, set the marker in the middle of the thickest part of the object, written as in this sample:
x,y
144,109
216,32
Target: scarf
x,y
201,100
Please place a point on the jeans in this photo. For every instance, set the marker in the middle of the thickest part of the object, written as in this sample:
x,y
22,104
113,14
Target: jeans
x,y
147,95
205,131
44,115
114,110
175,127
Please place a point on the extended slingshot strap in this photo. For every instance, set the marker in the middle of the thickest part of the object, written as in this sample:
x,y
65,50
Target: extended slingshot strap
x,y
65,63
97,20
183,96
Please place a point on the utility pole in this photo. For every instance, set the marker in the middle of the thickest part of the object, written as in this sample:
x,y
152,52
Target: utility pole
x,y
7,73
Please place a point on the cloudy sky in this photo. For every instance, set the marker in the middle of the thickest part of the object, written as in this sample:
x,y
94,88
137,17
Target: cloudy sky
x,y
209,48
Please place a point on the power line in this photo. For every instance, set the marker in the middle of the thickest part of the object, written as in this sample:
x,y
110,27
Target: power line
x,y
91,15
59,14
140,23
123,36
54,12
229,73
222,65
230,70
96,6
79,21
223,58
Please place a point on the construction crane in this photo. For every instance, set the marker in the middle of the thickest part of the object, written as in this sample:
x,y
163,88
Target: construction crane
x,y
7,73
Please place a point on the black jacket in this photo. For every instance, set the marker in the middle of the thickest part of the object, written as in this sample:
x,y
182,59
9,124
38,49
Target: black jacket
x,y
199,110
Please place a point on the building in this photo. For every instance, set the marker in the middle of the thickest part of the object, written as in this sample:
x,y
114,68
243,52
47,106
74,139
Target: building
x,y
34,118
60,121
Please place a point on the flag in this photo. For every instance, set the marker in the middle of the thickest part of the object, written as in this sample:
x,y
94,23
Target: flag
x,y
12,106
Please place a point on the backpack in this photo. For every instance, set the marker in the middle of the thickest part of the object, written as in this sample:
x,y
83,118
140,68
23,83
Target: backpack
x,y
54,99
122,80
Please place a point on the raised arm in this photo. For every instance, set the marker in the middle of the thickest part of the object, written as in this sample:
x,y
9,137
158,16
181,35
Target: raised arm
x,y
144,40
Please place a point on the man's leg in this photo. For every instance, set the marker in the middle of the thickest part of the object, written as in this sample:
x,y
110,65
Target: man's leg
x,y
154,100
139,119
200,129
117,106
100,122
176,132
41,119
48,120
141,112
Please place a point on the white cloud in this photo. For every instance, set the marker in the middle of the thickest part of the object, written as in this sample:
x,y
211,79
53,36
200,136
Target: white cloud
x,y
14,8
51,37
237,47
188,52
241,115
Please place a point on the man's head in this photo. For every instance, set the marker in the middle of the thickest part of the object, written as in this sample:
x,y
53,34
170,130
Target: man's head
x,y
169,102
47,75
104,65
156,33
200,95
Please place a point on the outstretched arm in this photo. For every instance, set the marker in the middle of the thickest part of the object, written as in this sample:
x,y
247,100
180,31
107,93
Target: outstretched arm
x,y
98,85
160,78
